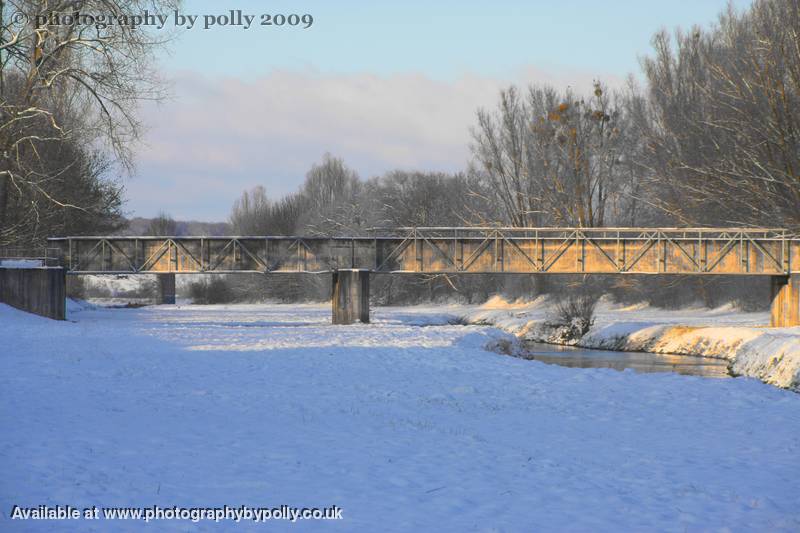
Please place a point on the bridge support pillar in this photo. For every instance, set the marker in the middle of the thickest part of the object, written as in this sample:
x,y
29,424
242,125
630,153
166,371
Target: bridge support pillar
x,y
350,296
166,288
785,309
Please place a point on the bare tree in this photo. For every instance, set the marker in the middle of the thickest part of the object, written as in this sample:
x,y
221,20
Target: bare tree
x,y
65,81
723,123
555,158
329,183
251,213
330,199
285,215
402,198
501,149
327,203
163,225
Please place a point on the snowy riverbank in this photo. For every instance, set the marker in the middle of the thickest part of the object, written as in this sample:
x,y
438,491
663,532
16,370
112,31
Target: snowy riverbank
x,y
404,427
769,354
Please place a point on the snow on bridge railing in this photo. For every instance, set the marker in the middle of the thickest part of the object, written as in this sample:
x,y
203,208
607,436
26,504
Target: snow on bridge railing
x,y
19,257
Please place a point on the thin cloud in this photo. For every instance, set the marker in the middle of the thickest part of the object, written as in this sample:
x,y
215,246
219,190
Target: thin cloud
x,y
219,136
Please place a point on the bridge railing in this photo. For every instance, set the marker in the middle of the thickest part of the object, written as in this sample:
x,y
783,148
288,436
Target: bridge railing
x,y
601,233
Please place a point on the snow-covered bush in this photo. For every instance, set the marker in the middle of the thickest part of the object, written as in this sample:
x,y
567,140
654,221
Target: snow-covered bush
x,y
573,317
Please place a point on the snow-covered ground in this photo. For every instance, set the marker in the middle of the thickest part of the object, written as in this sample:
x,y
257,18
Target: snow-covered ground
x,y
769,354
21,263
405,427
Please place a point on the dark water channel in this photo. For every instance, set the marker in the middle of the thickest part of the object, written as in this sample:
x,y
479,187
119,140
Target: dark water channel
x,y
638,361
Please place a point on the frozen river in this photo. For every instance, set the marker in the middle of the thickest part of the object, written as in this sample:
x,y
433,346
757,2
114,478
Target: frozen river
x,y
405,428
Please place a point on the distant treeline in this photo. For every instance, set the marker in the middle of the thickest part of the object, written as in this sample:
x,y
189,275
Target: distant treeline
x,y
164,225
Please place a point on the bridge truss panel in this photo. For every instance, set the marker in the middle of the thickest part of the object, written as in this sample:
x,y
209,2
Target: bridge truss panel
x,y
450,250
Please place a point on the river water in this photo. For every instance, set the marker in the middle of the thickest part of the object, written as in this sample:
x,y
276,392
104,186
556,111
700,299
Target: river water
x,y
638,361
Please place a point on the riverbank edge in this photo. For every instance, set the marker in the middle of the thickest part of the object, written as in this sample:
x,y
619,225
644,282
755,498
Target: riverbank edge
x,y
771,355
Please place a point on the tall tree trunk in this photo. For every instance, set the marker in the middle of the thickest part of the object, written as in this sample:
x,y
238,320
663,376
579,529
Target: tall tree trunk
x,y
3,200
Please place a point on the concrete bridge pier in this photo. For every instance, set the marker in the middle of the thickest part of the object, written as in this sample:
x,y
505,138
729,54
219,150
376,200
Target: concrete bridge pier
x,y
785,311
166,288
350,296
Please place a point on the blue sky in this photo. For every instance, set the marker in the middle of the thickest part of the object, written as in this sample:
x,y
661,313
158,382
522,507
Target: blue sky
x,y
438,38
382,84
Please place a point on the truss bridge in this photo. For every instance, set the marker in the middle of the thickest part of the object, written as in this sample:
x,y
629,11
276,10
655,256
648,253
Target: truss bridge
x,y
453,250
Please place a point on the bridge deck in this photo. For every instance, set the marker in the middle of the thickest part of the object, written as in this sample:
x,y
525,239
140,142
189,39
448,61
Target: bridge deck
x,y
450,250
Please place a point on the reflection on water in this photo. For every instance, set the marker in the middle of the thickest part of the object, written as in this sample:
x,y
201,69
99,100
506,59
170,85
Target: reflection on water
x,y
638,361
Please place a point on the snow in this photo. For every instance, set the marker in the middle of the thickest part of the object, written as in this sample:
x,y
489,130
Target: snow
x,y
21,263
405,427
769,354
119,289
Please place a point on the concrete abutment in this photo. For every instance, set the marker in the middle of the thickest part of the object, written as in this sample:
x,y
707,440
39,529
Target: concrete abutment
x,y
350,299
42,291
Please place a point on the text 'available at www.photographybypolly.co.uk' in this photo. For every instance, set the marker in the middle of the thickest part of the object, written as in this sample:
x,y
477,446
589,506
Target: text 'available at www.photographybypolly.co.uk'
x,y
242,513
